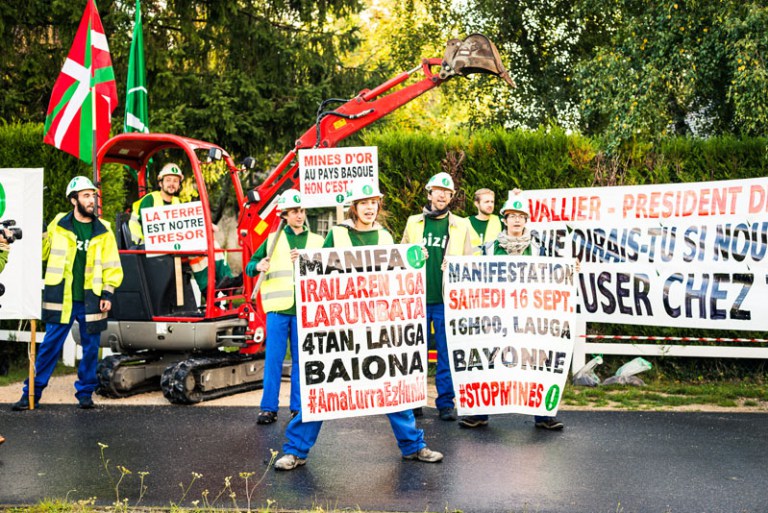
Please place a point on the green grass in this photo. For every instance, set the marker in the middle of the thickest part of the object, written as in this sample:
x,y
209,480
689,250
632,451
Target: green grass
x,y
18,374
660,395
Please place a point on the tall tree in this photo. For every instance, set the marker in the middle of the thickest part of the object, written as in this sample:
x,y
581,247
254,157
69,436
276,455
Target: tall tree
x,y
694,67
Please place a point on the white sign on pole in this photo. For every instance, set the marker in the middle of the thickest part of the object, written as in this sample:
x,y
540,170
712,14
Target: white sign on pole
x,y
510,324
21,201
362,331
326,174
175,227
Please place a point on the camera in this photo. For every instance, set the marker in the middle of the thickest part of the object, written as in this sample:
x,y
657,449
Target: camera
x,y
15,231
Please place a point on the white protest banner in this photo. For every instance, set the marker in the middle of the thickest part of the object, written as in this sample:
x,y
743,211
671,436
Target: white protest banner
x,y
362,331
683,255
509,322
21,212
326,174
175,227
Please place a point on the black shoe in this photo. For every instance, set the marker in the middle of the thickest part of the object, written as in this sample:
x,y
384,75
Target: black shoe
x,y
418,412
266,417
447,414
294,413
85,403
473,421
550,423
23,404
230,282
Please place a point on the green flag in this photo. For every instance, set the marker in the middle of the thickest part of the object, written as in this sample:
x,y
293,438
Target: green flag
x,y
136,109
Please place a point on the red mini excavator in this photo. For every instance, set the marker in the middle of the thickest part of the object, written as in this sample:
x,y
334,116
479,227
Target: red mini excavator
x,y
162,333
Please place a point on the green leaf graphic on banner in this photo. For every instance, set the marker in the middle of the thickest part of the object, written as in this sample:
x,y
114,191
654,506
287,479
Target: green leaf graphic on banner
x,y
2,200
415,257
553,397
177,247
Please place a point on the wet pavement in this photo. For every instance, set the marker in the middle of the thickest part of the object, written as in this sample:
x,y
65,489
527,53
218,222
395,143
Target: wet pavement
x,y
602,462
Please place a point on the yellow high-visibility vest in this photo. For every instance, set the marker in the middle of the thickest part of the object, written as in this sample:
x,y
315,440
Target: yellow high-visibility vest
x,y
277,289
341,237
103,272
492,231
458,229
134,224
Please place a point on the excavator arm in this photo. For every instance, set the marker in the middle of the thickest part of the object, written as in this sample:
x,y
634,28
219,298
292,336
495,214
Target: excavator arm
x,y
475,54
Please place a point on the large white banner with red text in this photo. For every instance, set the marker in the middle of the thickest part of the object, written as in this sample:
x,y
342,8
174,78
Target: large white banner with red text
x,y
685,255
510,327
362,330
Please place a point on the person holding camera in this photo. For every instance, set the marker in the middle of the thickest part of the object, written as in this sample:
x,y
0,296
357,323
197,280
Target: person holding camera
x,y
82,274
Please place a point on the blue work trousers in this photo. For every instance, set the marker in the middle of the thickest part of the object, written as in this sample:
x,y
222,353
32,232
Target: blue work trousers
x,y
303,435
50,349
280,328
443,379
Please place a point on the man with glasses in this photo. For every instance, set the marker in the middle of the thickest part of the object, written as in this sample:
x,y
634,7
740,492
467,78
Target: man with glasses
x,y
515,240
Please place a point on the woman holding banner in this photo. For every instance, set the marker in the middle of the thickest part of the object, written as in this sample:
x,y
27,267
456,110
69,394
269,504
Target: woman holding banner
x,y
360,229
514,240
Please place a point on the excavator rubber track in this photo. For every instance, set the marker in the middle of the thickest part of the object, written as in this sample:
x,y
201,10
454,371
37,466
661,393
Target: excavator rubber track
x,y
113,380
200,378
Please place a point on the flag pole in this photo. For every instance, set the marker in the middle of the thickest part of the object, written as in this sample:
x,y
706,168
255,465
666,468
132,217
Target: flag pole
x,y
94,148
32,357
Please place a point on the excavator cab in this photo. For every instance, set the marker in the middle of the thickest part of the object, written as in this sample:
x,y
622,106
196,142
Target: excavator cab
x,y
161,317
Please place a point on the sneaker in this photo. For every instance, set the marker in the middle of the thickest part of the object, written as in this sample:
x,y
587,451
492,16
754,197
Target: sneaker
x,y
23,403
425,454
473,421
266,417
447,414
294,413
289,462
418,412
85,403
550,423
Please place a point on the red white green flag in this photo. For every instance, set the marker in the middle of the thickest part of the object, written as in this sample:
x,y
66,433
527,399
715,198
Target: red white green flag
x,y
87,81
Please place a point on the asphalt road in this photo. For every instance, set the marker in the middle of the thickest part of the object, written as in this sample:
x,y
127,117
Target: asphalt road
x,y
602,462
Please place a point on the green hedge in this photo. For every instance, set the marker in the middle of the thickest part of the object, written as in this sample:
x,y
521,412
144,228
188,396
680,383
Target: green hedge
x,y
545,159
21,145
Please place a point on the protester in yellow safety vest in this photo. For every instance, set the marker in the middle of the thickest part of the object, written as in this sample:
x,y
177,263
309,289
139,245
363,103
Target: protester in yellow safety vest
x,y
486,225
169,180
515,240
443,234
360,229
278,299
82,274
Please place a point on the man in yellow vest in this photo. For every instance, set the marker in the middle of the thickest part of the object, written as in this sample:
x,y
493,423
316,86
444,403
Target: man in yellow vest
x,y
278,297
82,274
486,226
443,234
169,180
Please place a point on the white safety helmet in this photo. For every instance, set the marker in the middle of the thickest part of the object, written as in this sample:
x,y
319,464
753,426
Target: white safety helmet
x,y
443,180
516,203
290,198
363,190
79,183
170,169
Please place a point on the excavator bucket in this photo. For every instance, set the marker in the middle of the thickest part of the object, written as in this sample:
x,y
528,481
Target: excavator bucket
x,y
476,54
